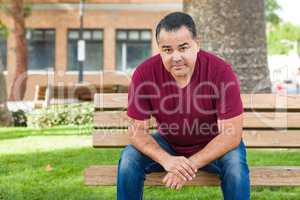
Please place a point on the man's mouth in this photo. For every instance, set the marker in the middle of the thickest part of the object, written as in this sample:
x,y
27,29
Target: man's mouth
x,y
178,67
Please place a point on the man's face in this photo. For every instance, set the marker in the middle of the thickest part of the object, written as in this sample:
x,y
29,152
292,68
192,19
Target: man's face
x,y
178,50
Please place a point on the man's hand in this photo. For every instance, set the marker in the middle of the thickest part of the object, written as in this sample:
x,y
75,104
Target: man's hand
x,y
180,166
173,181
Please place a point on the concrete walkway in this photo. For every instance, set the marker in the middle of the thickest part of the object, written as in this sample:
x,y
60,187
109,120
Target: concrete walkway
x,y
33,144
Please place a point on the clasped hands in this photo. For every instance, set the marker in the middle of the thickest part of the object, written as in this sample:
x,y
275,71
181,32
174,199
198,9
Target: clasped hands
x,y
179,170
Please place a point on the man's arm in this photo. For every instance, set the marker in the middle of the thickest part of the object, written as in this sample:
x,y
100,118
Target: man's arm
x,y
140,138
229,138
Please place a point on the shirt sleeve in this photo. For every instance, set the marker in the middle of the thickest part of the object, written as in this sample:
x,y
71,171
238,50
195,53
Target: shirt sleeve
x,y
229,103
138,103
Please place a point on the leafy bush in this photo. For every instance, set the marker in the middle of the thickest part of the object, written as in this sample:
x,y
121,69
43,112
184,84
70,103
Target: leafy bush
x,y
66,114
19,118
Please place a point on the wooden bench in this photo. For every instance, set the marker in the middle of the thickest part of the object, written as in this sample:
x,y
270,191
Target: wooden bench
x,y
270,121
59,94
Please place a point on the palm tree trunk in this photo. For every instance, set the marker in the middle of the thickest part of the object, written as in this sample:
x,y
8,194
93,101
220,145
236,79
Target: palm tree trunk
x,y
235,30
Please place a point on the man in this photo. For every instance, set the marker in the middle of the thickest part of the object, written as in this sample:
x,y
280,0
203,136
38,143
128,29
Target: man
x,y
195,98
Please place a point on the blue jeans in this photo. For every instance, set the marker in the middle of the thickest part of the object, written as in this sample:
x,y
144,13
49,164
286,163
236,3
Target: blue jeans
x,y
232,169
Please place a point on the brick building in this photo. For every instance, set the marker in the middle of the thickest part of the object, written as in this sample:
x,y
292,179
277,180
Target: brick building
x,y
118,34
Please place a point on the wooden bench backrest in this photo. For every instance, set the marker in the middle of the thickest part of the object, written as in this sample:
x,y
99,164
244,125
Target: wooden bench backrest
x,y
81,92
270,121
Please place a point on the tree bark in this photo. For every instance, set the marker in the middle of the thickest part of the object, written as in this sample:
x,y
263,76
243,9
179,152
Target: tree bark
x,y
5,115
235,30
18,87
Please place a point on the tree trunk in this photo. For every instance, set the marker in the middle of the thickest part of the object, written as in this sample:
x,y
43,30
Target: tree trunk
x,y
18,87
235,30
5,115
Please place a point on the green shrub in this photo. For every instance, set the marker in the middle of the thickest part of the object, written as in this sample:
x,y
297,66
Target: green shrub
x,y
66,114
19,118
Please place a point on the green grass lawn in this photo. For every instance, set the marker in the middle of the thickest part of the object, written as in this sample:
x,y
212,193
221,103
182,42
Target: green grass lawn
x,y
58,174
18,132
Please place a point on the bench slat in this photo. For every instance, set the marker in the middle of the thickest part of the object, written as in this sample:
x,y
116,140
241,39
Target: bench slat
x,y
251,119
267,176
252,139
250,101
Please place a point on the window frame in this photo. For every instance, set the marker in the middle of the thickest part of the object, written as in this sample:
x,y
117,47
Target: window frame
x,y
46,70
69,71
127,40
3,37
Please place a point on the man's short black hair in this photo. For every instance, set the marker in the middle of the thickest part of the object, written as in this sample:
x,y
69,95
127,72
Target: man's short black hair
x,y
174,21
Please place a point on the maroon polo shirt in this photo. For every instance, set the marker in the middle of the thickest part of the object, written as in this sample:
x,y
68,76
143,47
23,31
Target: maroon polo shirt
x,y
186,117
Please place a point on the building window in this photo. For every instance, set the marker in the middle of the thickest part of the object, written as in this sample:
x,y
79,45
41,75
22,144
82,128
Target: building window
x,y
133,46
41,48
3,49
93,49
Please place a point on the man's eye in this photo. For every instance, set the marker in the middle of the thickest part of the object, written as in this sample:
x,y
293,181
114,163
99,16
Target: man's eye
x,y
183,48
167,50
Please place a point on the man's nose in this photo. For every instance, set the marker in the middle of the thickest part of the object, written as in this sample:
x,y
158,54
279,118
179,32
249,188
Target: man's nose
x,y
176,56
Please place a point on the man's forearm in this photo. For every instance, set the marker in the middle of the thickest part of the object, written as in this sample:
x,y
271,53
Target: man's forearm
x,y
230,137
217,147
145,143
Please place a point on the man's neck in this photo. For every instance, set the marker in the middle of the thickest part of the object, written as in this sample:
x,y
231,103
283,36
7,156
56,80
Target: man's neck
x,y
183,81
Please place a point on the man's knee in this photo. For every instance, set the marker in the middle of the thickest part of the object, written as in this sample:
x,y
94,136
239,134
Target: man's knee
x,y
235,172
234,164
130,159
